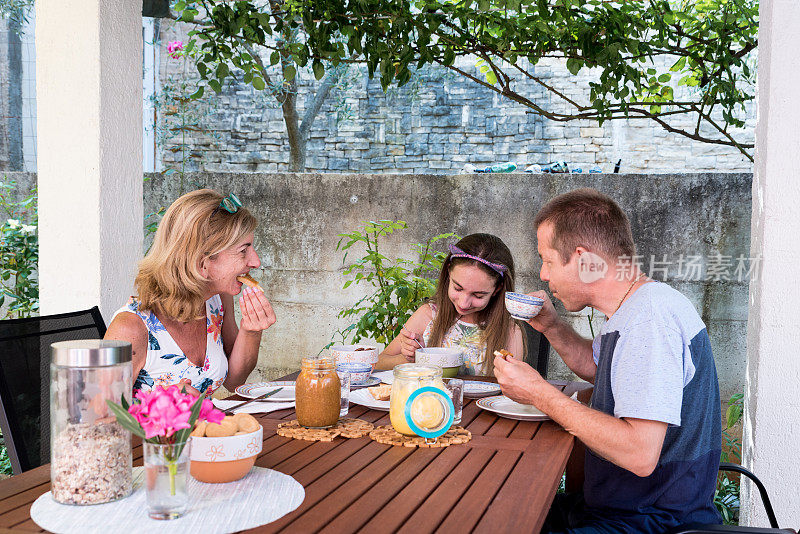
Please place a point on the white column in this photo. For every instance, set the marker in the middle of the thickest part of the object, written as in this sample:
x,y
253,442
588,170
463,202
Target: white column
x,y
89,96
772,404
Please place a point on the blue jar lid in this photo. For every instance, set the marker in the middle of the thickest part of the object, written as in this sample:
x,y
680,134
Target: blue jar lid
x,y
447,406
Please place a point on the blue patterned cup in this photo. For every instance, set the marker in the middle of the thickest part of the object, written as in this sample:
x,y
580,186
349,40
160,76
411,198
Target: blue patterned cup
x,y
522,306
359,372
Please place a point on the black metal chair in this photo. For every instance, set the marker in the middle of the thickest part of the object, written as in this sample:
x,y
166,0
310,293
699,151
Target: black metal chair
x,y
537,348
25,379
695,528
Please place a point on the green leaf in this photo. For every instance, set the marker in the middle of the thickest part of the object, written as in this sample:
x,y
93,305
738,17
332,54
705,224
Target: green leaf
x,y
258,83
319,69
678,65
574,65
198,94
126,420
289,73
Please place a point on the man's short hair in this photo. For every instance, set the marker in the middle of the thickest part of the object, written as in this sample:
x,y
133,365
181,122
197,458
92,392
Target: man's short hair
x,y
587,218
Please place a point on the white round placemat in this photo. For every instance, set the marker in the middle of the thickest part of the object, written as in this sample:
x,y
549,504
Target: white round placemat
x,y
259,498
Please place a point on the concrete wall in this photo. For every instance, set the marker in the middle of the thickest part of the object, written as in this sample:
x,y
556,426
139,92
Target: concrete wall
x,y
433,126
690,218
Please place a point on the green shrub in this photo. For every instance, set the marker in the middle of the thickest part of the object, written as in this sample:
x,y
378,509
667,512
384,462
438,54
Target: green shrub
x,y
19,254
726,496
398,286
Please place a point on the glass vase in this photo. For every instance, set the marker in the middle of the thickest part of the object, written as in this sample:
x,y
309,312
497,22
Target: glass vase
x,y
166,473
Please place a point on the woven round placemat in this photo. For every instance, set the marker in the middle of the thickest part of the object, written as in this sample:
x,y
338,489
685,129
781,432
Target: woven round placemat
x,y
347,428
388,435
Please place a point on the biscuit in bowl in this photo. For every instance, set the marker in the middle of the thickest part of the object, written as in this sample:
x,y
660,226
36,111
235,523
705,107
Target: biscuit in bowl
x,y
227,427
218,460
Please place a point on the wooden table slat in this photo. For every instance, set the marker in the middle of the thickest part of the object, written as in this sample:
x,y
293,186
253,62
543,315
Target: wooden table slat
x,y
324,476
326,509
363,509
522,503
473,502
391,516
16,516
439,503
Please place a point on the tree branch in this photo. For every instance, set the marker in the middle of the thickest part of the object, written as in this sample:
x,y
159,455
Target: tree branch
x,y
316,104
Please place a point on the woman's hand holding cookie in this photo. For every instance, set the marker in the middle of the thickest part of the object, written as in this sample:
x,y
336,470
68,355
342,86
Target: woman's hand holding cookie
x,y
257,312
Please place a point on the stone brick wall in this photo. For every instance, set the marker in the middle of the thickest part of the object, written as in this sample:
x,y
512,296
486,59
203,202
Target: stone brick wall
x,y
435,126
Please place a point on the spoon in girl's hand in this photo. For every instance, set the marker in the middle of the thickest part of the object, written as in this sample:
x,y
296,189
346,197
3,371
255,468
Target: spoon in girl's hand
x,y
413,336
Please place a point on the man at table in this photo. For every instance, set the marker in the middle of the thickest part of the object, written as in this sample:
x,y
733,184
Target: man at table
x,y
653,432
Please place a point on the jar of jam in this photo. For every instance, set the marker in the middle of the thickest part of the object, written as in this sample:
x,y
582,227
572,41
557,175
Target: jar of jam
x,y
419,404
317,393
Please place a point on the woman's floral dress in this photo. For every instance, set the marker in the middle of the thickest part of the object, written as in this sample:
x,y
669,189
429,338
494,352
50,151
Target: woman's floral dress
x,y
166,363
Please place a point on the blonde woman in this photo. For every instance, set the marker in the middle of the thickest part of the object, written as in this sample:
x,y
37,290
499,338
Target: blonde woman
x,y
181,324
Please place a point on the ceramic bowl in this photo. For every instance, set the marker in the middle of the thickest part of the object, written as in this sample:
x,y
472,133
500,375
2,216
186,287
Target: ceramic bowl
x,y
522,306
449,359
359,372
218,460
355,353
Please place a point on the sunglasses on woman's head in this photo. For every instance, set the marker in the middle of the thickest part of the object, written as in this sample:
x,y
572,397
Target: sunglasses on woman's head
x,y
231,204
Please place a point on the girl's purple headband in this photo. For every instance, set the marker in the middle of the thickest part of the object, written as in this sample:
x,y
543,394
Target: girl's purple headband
x,y
456,252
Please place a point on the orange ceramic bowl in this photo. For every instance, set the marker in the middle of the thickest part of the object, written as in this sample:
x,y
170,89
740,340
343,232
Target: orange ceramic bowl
x,y
218,460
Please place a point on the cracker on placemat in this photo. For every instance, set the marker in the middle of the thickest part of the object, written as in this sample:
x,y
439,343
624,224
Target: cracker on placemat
x,y
388,435
292,429
347,428
354,428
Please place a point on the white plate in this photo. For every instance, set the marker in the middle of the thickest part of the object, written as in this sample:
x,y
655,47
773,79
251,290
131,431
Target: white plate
x,y
365,398
505,407
251,391
387,377
475,389
371,381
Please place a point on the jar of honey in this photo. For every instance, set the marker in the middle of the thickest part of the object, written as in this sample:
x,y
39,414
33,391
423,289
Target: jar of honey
x,y
317,393
420,404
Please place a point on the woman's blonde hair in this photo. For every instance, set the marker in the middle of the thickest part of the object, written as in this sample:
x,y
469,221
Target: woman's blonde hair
x,y
494,320
193,229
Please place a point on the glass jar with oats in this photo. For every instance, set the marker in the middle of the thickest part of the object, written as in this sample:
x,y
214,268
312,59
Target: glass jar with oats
x,y
90,453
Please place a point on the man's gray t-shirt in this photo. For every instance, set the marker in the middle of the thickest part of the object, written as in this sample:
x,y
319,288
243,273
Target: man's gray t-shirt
x,y
654,362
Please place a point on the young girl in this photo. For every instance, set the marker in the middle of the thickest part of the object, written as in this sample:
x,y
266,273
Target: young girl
x,y
468,310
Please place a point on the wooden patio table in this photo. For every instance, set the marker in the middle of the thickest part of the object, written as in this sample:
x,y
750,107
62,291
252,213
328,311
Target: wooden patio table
x,y
503,480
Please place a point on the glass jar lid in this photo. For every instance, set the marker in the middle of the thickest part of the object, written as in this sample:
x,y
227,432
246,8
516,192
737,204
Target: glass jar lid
x,y
417,370
320,363
90,353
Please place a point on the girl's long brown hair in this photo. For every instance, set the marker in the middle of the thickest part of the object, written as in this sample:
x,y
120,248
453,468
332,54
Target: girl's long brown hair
x,y
495,321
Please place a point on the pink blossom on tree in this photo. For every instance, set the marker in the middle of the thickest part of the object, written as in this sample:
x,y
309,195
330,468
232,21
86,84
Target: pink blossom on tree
x,y
174,48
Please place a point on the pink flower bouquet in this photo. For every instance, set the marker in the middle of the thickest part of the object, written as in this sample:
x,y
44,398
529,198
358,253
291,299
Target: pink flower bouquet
x,y
165,416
